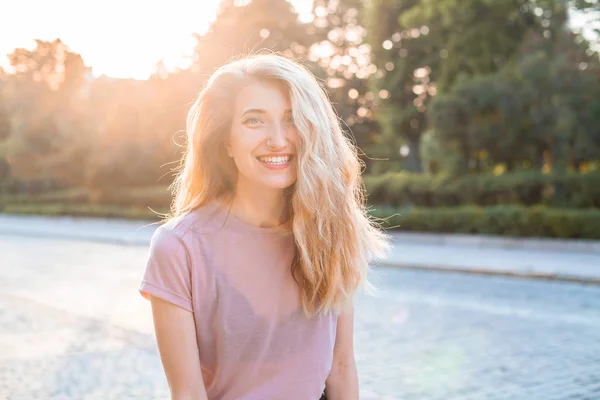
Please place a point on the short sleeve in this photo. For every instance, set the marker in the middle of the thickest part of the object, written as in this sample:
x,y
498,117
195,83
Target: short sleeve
x,y
168,274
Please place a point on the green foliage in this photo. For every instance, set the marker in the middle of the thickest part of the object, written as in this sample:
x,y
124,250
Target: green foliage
x,y
5,125
107,133
422,47
559,83
512,83
49,127
5,130
474,37
439,155
404,59
470,87
546,102
150,196
338,57
127,165
482,115
66,196
156,197
520,221
525,188
82,210
122,203
256,26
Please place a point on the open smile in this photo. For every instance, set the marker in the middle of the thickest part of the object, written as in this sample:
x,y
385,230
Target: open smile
x,y
276,162
279,160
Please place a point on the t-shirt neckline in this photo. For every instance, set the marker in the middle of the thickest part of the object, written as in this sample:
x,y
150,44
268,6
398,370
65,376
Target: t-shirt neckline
x,y
236,222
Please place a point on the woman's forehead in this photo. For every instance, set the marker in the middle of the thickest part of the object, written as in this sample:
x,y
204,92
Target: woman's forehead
x,y
260,95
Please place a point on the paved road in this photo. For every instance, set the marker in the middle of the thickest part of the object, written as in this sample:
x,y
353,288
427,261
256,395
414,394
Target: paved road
x,y
571,260
72,326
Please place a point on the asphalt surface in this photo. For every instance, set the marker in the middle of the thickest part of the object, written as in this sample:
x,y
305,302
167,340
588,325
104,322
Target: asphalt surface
x,y
72,326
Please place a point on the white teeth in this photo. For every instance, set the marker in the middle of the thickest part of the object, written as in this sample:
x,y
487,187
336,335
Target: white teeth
x,y
275,160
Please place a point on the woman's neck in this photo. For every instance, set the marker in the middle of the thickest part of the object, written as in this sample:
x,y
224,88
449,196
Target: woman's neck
x,y
264,208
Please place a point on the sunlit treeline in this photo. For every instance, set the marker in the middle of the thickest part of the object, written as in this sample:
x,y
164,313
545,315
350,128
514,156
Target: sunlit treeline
x,y
435,86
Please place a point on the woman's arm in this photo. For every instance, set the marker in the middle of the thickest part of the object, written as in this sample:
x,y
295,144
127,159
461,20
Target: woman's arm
x,y
342,382
176,337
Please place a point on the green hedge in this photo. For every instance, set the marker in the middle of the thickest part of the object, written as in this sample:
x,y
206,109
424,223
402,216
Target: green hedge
x,y
82,210
401,189
152,196
538,221
67,196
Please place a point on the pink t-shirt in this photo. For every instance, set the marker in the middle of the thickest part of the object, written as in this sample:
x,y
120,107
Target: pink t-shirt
x,y
253,338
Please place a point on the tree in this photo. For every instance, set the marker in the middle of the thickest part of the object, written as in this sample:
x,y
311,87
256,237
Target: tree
x,y
423,48
73,142
5,129
256,26
485,120
44,100
127,147
474,37
540,110
343,63
404,59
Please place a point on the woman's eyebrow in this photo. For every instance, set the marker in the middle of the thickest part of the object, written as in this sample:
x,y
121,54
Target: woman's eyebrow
x,y
254,110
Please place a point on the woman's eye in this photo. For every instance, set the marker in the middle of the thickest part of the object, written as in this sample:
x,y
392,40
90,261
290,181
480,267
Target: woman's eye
x,y
253,121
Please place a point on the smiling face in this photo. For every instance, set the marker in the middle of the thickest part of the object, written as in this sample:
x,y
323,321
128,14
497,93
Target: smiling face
x,y
263,140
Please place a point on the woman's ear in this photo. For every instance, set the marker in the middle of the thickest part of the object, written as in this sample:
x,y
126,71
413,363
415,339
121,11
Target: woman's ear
x,y
228,148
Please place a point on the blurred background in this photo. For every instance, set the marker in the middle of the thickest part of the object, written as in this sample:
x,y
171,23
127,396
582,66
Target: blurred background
x,y
479,127
485,115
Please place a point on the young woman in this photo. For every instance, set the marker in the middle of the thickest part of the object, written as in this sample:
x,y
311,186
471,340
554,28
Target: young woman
x,y
251,279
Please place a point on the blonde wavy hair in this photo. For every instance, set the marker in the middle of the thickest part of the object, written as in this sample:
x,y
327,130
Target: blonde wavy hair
x,y
335,237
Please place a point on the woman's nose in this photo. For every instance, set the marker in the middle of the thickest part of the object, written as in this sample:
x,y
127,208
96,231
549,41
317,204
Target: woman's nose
x,y
278,137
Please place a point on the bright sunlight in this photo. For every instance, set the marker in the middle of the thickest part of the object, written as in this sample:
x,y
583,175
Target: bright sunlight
x,y
121,39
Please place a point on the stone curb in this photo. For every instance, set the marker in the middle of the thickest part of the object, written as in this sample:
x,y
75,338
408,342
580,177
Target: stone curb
x,y
493,272
567,245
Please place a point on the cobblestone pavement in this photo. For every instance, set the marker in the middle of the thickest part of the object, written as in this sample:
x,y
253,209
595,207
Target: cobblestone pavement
x,y
72,326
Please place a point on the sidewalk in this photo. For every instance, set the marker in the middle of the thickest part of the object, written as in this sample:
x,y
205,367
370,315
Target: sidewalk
x,y
577,261
116,231
538,258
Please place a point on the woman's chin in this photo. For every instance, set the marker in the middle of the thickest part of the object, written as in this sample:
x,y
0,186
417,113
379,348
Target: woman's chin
x,y
278,184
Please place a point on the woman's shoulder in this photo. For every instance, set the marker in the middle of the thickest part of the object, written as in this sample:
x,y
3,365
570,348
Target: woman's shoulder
x,y
202,220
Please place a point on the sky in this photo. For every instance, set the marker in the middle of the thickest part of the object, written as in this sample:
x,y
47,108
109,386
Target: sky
x,y
104,32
